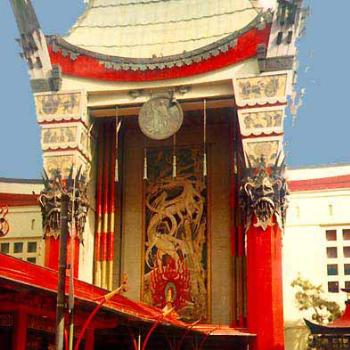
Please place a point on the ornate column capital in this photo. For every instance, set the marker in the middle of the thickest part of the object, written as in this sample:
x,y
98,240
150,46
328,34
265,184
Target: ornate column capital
x,y
263,195
76,187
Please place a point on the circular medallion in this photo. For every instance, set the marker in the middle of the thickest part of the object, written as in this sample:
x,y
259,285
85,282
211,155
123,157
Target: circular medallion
x,y
160,118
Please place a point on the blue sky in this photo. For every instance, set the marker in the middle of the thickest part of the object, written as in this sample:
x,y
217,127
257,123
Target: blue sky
x,y
319,135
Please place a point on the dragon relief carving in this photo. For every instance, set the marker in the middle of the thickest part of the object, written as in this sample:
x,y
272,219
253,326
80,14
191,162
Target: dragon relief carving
x,y
50,202
263,194
175,244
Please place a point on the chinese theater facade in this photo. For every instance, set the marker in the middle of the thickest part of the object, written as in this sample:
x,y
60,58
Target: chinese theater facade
x,y
172,112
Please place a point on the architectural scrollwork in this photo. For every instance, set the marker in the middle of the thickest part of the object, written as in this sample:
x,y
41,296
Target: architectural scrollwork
x,y
4,225
264,195
50,202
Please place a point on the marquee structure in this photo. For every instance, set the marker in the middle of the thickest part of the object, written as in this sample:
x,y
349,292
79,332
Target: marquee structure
x,y
170,113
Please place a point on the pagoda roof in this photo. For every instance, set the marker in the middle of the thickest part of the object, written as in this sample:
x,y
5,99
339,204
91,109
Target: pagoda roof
x,y
158,28
20,275
340,326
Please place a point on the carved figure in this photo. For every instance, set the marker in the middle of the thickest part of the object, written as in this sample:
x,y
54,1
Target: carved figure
x,y
50,202
263,195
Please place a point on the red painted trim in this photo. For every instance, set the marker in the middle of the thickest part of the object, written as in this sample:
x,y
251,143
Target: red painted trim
x,y
18,199
88,67
326,183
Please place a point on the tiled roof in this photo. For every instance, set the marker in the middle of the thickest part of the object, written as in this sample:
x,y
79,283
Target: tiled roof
x,y
27,275
156,28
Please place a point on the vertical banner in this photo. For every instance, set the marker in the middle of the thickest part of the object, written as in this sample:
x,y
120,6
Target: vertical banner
x,y
176,241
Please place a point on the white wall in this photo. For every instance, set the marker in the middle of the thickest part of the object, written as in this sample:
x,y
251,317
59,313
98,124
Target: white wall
x,y
310,214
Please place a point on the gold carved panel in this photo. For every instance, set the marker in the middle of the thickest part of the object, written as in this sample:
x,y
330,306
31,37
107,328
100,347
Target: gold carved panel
x,y
176,243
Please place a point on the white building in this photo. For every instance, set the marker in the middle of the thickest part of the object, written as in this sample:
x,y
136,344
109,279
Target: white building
x,y
24,240
316,240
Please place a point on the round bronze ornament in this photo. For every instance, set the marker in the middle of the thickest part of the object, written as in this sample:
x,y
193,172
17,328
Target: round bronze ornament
x,y
160,118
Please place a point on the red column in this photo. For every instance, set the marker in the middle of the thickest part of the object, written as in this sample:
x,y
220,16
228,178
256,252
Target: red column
x,y
19,339
264,282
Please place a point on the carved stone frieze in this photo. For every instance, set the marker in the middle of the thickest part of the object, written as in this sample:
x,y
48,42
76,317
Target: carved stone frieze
x,y
61,106
264,195
261,89
50,202
261,121
267,147
66,136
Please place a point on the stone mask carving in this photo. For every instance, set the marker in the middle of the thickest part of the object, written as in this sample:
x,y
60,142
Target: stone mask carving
x,y
50,202
263,195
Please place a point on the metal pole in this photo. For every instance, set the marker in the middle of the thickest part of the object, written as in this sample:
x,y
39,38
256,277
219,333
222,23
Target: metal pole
x,y
71,281
60,308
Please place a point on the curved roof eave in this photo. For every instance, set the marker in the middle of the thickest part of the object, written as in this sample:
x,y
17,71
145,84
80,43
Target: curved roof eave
x,y
58,44
157,28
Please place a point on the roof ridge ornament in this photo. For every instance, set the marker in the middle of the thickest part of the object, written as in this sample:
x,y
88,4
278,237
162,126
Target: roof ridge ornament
x,y
44,76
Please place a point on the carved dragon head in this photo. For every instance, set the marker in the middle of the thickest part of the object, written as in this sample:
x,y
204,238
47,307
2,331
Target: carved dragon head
x,y
263,194
50,201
